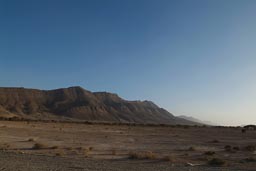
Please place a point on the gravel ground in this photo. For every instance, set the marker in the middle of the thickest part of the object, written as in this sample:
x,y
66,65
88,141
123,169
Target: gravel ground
x,y
25,162
108,147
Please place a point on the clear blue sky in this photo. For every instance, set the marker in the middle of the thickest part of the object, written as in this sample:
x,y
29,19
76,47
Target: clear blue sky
x,y
195,58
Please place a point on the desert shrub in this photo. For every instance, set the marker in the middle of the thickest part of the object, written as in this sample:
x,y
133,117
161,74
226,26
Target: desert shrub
x,y
209,153
59,153
134,155
75,152
150,155
250,148
236,148
79,148
168,158
55,147
85,153
69,148
250,159
228,148
185,126
5,146
31,139
113,152
216,162
191,149
215,141
37,146
142,155
82,150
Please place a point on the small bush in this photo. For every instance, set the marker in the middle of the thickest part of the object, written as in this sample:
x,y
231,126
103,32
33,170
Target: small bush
x,y
215,141
228,148
69,148
60,153
7,145
80,148
113,152
168,158
216,162
250,159
54,147
134,155
142,155
31,139
191,149
209,153
38,146
150,155
236,148
251,148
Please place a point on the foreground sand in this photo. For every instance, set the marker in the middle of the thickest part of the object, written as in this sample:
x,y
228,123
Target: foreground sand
x,y
65,146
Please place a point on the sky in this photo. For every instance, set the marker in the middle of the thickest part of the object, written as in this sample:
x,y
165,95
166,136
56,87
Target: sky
x,y
194,58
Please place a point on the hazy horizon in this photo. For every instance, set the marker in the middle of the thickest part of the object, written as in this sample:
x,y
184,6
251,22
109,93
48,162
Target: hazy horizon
x,y
193,58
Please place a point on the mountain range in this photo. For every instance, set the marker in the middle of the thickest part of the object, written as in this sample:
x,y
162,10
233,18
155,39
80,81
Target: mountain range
x,y
76,103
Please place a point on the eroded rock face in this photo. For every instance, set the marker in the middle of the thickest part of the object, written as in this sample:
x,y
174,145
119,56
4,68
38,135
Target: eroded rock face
x,y
78,103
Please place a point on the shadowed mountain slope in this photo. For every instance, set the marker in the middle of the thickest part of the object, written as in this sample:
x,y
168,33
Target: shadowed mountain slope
x,y
78,103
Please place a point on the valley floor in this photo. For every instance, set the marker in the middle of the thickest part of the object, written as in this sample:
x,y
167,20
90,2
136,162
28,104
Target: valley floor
x,y
39,146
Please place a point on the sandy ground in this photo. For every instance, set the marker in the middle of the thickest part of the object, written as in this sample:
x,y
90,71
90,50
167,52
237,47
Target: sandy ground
x,y
68,146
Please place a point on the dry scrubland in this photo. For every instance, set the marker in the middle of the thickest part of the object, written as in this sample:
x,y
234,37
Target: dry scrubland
x,y
71,146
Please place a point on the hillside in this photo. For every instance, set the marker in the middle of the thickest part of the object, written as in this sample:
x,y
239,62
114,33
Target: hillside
x,y
189,118
78,103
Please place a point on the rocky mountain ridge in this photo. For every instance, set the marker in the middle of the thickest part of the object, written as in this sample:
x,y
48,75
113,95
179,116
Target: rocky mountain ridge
x,y
81,104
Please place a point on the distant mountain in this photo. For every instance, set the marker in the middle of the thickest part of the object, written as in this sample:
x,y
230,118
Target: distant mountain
x,y
78,103
189,118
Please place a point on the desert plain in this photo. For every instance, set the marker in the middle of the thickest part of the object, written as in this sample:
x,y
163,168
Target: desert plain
x,y
30,145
